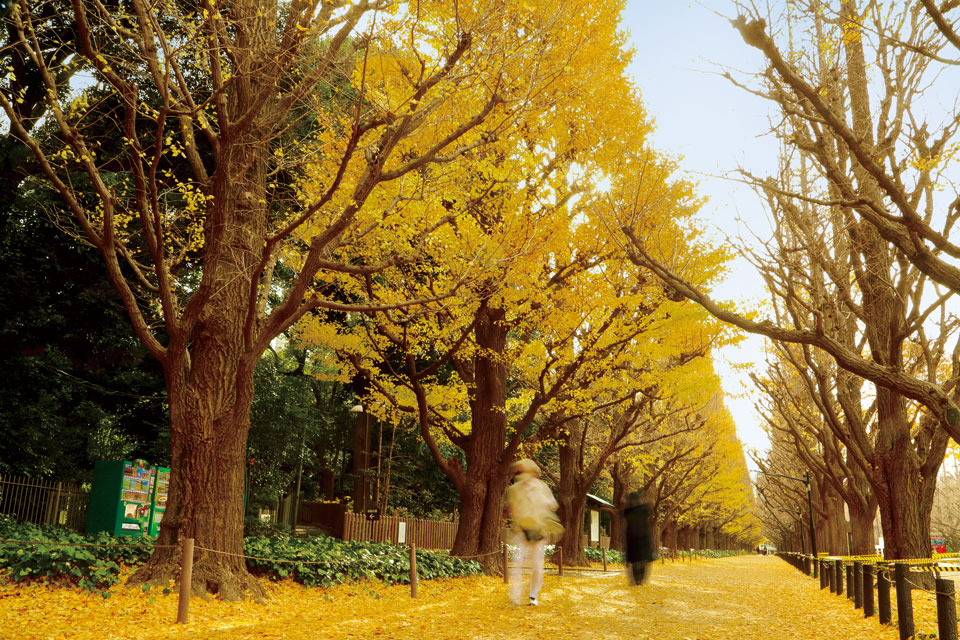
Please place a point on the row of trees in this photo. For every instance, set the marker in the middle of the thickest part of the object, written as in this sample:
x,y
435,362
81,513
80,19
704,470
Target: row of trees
x,y
442,196
861,383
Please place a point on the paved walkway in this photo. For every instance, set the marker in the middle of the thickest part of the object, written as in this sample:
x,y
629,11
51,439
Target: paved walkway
x,y
743,598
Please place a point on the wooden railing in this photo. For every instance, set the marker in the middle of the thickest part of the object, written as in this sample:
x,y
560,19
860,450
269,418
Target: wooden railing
x,y
426,534
334,519
44,501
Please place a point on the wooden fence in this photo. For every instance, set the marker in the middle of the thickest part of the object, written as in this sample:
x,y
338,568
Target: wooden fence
x,y
426,534
44,501
334,519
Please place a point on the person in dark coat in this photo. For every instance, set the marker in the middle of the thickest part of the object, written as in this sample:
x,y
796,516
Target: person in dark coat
x,y
638,544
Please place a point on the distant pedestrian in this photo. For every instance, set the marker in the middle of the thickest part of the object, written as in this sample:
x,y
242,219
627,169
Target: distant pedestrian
x,y
638,543
531,508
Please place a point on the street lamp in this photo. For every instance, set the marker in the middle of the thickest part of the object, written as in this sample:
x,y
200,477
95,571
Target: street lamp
x,y
813,532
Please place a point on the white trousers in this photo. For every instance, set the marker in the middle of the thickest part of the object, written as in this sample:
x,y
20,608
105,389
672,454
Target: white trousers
x,y
530,555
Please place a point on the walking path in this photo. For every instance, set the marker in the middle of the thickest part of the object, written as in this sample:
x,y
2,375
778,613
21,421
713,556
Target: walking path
x,y
743,598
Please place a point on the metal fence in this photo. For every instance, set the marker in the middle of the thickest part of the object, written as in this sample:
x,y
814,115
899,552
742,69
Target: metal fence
x,y
44,501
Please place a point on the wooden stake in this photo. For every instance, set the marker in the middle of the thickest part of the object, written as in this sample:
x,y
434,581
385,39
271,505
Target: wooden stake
x,y
413,570
186,577
506,561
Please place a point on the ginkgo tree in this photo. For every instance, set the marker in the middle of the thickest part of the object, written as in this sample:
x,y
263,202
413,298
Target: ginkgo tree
x,y
819,412
695,480
616,405
628,415
856,200
545,307
182,162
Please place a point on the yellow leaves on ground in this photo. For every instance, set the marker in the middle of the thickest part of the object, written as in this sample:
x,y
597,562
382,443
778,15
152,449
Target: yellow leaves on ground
x,y
749,597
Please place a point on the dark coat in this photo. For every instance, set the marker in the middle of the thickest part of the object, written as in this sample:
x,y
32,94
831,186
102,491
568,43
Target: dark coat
x,y
639,546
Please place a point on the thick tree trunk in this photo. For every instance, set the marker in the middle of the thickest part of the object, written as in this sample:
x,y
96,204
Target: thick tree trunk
x,y
617,533
906,530
655,531
481,519
669,534
683,538
484,481
206,504
709,540
209,426
861,533
209,376
572,490
571,517
903,476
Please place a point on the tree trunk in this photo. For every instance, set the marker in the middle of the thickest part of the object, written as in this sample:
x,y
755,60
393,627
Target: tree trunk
x,y
571,516
906,531
617,533
905,525
683,538
861,533
669,533
572,490
209,376
655,532
480,519
482,484
863,511
205,500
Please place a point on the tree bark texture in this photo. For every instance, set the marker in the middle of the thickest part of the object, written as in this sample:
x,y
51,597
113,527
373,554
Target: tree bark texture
x,y
210,386
481,485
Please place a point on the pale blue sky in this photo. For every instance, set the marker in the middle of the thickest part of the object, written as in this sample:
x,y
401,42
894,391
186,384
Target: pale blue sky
x,y
713,126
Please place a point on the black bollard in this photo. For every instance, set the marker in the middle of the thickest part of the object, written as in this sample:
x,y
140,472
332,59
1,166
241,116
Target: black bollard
x,y
883,593
946,610
806,565
901,573
824,582
838,578
851,590
857,585
831,575
867,590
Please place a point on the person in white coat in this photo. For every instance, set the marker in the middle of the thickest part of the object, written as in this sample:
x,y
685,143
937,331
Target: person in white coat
x,y
531,508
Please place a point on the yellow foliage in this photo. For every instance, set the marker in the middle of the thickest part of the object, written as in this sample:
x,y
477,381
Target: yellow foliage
x,y
716,599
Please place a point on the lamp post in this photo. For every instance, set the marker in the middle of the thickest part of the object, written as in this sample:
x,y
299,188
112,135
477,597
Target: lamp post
x,y
813,532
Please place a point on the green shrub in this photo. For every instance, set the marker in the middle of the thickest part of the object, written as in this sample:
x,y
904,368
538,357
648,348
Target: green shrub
x,y
595,554
254,527
63,556
326,561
